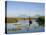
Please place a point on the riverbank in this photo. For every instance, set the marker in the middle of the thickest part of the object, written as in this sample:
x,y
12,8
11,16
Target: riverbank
x,y
14,20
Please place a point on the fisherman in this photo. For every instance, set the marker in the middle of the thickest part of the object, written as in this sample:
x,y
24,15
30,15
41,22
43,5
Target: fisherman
x,y
30,22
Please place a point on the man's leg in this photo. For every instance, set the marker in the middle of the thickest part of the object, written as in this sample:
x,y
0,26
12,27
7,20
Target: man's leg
x,y
29,24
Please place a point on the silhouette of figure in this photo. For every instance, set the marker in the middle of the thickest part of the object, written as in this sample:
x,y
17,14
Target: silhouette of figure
x,y
30,22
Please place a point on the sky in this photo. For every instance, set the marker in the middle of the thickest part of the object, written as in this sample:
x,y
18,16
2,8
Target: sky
x,y
15,9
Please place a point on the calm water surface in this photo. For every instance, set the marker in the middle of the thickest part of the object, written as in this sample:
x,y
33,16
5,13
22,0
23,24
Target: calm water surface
x,y
23,25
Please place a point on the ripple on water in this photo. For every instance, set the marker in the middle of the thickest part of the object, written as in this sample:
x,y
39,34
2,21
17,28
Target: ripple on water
x,y
33,28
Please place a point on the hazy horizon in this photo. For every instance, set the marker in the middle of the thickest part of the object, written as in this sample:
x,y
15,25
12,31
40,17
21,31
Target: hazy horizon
x,y
15,9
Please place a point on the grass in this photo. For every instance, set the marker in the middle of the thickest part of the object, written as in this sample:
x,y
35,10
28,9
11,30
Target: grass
x,y
10,20
40,20
14,20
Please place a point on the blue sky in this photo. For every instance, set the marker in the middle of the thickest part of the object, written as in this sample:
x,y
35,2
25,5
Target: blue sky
x,y
15,9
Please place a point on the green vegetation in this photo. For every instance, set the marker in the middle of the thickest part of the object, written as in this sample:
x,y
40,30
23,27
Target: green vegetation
x,y
14,20
41,20
10,20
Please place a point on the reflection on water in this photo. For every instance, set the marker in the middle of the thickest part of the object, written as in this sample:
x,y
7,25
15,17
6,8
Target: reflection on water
x,y
23,27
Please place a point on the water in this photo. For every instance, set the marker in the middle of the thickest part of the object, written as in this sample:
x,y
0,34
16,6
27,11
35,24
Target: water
x,y
23,27
23,22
